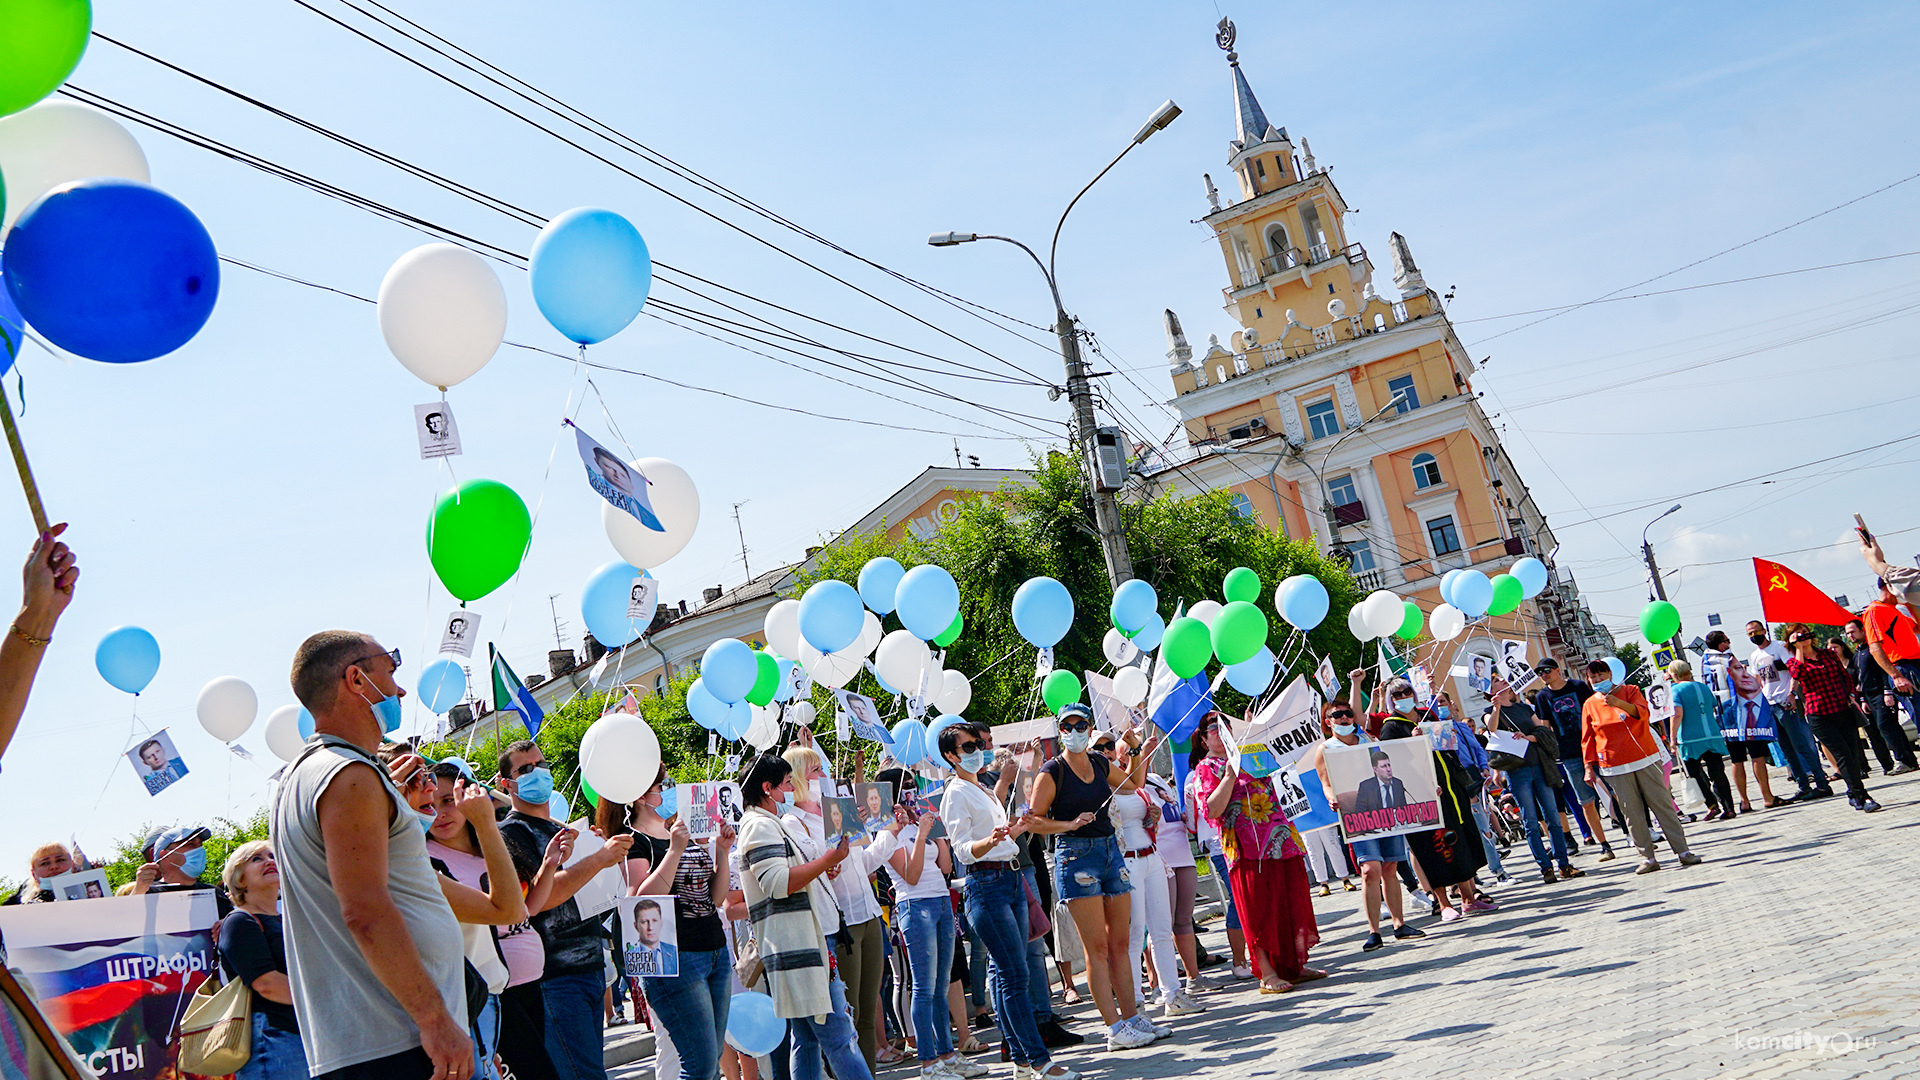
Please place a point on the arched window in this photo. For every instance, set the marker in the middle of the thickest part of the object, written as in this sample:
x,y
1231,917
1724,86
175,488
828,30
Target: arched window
x,y
1277,240
1426,471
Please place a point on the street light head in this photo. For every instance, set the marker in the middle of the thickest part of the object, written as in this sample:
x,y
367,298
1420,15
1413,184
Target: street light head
x,y
1161,117
948,239
1671,509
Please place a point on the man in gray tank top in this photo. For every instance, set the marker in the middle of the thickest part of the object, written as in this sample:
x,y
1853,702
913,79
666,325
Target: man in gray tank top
x,y
373,951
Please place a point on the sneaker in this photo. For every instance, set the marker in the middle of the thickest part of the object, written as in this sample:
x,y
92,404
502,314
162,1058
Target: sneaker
x,y
1242,971
1870,806
1449,914
1900,770
1056,1072
961,1067
1479,905
1373,942
1402,933
1124,1036
1606,855
1179,1004
1647,867
1421,899
1688,858
1503,878
937,1070
1158,1031
1572,871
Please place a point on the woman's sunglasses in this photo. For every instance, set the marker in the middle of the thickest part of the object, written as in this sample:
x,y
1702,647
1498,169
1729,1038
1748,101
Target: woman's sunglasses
x,y
1077,725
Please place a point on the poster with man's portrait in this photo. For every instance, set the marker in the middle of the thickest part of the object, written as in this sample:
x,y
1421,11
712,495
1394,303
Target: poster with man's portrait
x,y
840,820
1385,788
707,805
1660,698
1515,668
643,599
80,885
652,937
157,763
862,717
873,805
433,425
462,630
616,481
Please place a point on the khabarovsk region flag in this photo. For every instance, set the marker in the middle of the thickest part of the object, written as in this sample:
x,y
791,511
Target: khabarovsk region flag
x,y
509,693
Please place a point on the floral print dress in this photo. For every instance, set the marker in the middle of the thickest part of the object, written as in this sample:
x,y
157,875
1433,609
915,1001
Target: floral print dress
x,y
1254,825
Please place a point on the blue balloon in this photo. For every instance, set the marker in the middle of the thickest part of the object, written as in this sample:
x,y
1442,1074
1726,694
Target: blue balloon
x,y
1147,638
884,687
1252,677
558,807
1042,611
909,742
1531,573
442,684
465,766
878,581
832,616
1472,592
932,737
305,723
127,657
112,270
707,711
1133,603
1446,585
590,273
12,327
669,801
604,602
783,690
729,669
1302,600
1618,667
739,717
926,601
752,1027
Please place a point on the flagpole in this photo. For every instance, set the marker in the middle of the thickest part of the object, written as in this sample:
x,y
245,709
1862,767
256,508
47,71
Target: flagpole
x,y
20,462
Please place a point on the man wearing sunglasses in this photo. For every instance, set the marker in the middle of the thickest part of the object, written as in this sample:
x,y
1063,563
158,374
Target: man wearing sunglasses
x,y
374,953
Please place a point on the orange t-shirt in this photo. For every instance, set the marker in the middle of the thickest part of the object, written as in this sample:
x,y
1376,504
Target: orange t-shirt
x,y
1890,627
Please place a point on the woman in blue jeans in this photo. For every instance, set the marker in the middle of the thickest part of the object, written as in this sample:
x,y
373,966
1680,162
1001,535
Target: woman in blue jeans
x,y
987,846
925,913
1529,783
693,1005
252,949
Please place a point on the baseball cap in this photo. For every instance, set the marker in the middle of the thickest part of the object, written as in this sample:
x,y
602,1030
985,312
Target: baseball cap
x,y
1075,708
1546,665
163,839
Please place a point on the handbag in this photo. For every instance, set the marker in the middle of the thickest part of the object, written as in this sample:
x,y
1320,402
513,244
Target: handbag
x,y
747,965
216,1035
1038,925
1506,751
1692,799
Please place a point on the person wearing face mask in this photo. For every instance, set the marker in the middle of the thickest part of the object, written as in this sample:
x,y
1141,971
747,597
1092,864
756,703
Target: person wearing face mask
x,y
1377,858
1769,664
1471,754
47,861
1450,855
573,984
1559,702
374,953
1532,783
1617,742
1828,690
253,949
175,861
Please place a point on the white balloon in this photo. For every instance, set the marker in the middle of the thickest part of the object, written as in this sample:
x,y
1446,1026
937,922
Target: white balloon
x,y
1205,611
443,313
226,707
869,639
956,693
802,713
1384,612
620,757
283,733
765,729
900,659
831,670
783,628
675,503
56,142
1357,622
1130,686
1446,622
1119,650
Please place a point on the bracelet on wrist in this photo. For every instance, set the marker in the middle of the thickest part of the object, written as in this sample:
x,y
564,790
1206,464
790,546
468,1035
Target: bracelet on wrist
x,y
29,638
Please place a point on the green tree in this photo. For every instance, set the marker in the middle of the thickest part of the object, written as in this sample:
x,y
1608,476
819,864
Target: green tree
x,y
1628,653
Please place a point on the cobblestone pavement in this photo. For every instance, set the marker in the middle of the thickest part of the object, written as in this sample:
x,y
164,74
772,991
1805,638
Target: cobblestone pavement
x,y
1801,926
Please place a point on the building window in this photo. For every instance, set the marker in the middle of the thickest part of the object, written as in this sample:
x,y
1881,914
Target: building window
x,y
1426,471
1260,167
1342,491
660,685
1362,553
1277,241
1256,313
1242,506
1323,419
1405,397
1443,536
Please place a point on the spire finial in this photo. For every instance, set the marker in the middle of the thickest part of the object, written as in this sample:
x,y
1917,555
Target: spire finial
x,y
1223,36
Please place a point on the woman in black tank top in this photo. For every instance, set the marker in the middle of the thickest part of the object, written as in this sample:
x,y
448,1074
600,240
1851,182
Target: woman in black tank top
x,y
1070,799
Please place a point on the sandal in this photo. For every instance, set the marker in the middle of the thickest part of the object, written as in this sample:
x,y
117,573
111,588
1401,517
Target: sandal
x,y
1351,887
1281,989
972,1046
889,1054
1308,975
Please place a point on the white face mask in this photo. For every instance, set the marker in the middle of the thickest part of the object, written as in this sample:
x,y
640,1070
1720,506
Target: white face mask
x,y
1075,742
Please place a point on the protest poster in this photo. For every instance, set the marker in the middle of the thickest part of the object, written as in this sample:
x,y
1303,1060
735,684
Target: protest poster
x,y
1109,714
1328,678
922,799
873,806
614,480
1385,788
862,717
709,804
1021,732
840,820
80,885
652,937
1304,798
643,598
1515,667
605,888
1278,734
1660,698
157,763
439,436
463,629
115,975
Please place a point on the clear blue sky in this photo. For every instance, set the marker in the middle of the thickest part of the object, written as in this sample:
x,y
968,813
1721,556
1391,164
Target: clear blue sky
x,y
262,483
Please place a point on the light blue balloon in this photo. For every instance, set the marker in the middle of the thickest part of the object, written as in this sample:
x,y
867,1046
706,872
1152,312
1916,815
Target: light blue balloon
x,y
728,669
1134,602
1302,600
1446,585
1472,592
1252,677
1532,575
13,325
305,723
1042,611
465,767
442,685
783,690
604,601
932,738
909,742
879,579
1147,638
707,711
669,801
752,1027
926,601
127,658
831,616
883,683
559,808
739,717
590,273
1618,667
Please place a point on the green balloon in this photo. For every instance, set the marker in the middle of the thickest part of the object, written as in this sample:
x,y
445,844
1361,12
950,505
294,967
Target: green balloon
x,y
952,633
1241,584
1061,689
477,536
1410,624
1660,621
1186,646
765,680
41,47
592,796
1507,594
1238,632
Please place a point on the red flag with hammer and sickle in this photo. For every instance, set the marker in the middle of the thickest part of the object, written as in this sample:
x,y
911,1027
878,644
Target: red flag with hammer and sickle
x,y
1787,597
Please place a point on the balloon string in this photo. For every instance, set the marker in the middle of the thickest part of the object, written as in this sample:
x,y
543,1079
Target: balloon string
x,y
611,425
566,414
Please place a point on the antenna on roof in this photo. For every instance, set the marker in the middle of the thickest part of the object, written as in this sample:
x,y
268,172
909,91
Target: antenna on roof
x,y
743,538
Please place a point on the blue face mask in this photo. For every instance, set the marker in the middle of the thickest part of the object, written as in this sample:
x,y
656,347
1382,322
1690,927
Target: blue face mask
x,y
426,821
1444,712
386,710
535,787
194,863
787,805
973,761
1403,706
669,799
1603,686
1075,742
1345,729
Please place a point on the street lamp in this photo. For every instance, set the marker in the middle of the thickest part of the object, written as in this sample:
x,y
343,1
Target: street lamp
x,y
1653,569
1106,506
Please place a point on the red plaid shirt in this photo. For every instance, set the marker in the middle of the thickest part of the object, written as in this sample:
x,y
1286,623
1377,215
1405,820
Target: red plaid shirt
x,y
1828,687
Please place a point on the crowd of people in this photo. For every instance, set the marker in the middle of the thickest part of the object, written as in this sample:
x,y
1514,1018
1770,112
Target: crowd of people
x,y
406,921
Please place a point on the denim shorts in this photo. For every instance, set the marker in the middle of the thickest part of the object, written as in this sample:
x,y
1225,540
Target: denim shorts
x,y
1381,849
1089,866
1576,774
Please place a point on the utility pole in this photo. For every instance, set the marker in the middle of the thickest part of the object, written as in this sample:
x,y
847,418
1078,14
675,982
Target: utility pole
x,y
743,538
1659,586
